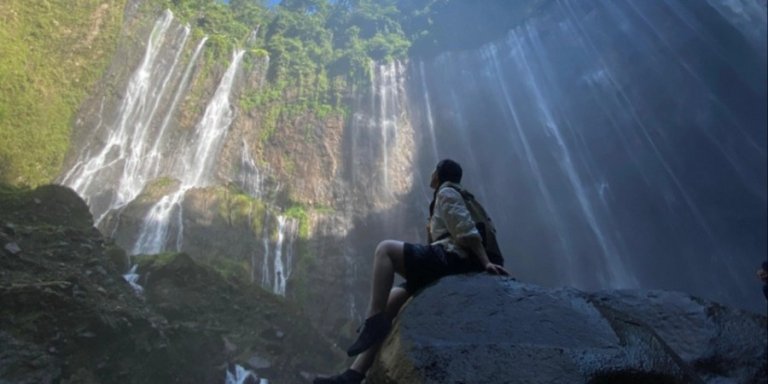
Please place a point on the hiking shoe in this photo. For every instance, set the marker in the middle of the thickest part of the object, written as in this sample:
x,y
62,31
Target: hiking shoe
x,y
375,329
348,377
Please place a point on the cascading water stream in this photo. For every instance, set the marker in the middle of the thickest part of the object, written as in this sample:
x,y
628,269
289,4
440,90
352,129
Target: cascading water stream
x,y
622,141
240,375
377,150
155,158
617,273
389,89
250,177
522,141
121,161
195,165
266,275
430,119
275,275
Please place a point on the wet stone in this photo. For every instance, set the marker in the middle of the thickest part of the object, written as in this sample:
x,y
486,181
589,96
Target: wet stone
x,y
258,362
12,248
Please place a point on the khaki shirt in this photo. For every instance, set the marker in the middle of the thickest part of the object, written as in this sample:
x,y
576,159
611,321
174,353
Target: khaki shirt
x,y
451,216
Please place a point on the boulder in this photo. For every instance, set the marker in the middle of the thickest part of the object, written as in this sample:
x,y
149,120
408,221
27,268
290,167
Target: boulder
x,y
484,329
722,344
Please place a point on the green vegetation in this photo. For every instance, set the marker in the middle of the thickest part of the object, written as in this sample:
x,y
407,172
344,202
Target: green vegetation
x,y
157,260
52,53
11,195
298,212
316,52
230,269
156,189
239,208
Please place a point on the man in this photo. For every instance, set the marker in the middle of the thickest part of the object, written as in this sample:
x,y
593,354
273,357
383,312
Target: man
x,y
457,249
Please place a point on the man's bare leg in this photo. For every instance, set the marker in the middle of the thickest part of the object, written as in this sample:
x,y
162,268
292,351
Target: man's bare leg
x,y
397,297
387,260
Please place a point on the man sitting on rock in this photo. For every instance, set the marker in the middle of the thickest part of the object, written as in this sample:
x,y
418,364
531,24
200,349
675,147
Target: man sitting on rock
x,y
457,249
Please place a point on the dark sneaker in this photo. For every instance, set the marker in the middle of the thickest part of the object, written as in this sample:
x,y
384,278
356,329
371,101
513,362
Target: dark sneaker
x,y
348,377
374,330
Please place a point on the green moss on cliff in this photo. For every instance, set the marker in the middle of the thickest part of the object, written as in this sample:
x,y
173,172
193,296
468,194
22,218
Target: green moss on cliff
x,y
239,208
51,54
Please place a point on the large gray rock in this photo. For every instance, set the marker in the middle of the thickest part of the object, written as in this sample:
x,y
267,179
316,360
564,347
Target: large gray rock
x,y
483,329
722,344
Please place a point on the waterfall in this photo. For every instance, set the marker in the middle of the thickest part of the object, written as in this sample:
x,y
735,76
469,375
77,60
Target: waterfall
x,y
152,238
197,161
430,119
275,274
121,163
250,178
155,160
617,273
616,143
390,92
380,154
201,152
132,277
240,375
748,16
266,273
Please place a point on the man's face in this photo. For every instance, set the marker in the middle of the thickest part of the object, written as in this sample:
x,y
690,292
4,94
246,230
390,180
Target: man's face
x,y
763,275
433,182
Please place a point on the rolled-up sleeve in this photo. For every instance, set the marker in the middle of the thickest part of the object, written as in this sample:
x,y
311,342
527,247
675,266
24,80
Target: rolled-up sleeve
x,y
454,212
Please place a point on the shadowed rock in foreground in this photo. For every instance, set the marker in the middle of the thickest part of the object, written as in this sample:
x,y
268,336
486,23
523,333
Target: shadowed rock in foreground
x,y
68,316
482,329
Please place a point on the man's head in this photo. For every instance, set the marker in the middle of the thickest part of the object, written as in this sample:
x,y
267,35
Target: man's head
x,y
762,273
446,170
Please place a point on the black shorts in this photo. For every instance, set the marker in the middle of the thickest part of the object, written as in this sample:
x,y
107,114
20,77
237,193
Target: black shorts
x,y
426,263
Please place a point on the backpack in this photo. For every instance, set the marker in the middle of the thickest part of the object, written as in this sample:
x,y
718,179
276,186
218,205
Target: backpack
x,y
483,223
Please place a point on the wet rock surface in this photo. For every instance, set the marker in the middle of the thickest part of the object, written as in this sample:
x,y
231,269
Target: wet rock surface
x,y
68,316
721,344
483,329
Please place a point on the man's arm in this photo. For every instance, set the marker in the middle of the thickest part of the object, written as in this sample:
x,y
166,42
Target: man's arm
x,y
474,244
463,230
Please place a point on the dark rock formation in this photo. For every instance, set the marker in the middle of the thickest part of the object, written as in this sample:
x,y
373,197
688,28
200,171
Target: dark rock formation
x,y
723,345
242,322
68,316
481,329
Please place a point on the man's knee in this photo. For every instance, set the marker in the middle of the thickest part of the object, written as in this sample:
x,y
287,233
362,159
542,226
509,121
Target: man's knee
x,y
386,248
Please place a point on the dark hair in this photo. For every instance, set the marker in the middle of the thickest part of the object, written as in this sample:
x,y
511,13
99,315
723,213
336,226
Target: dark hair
x,y
765,266
448,170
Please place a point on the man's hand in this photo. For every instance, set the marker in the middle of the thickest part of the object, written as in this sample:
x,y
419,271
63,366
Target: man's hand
x,y
495,269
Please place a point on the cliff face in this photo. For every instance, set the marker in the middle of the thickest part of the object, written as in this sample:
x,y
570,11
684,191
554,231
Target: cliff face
x,y
169,155
594,134
486,329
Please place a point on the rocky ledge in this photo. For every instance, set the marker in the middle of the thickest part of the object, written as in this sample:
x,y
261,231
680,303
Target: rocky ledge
x,y
68,316
485,329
